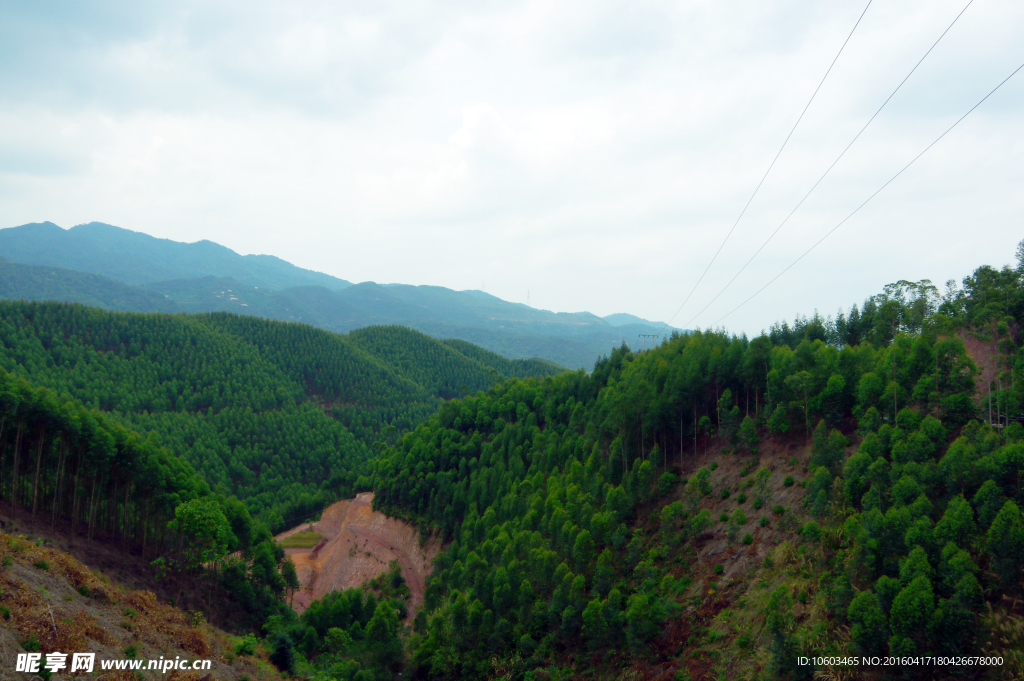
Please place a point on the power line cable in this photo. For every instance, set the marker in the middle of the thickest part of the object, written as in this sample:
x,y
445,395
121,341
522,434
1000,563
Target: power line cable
x,y
770,166
877,191
829,169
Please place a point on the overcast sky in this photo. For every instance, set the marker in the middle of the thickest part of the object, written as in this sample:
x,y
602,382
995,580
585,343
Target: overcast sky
x,y
592,153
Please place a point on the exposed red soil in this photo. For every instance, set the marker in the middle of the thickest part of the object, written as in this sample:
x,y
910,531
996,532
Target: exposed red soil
x,y
358,544
981,352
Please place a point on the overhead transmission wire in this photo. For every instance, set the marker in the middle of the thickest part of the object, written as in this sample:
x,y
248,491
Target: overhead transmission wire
x,y
770,166
829,169
877,191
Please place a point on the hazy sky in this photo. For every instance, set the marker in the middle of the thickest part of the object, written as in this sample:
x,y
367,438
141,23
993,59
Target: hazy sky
x,y
593,153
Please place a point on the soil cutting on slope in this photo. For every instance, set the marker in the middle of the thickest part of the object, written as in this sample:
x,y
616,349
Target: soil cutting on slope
x,y
357,545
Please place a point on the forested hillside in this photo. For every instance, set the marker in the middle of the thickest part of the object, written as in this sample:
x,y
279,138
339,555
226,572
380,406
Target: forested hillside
x,y
79,471
281,415
35,282
580,507
442,367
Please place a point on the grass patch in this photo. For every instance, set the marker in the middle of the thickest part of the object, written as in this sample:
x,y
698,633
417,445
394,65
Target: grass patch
x,y
301,540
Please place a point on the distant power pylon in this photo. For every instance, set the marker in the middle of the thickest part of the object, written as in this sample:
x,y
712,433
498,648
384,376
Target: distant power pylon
x,y
645,336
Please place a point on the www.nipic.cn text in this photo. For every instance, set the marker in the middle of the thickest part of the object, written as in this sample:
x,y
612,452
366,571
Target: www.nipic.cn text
x,y
33,663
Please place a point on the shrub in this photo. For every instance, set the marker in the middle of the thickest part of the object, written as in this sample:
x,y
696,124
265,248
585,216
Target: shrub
x,y
764,522
131,651
84,590
714,465
719,568
742,499
8,561
725,494
5,612
42,564
778,423
748,538
246,645
723,517
31,644
283,652
811,531
788,482
789,523
702,480
738,520
758,503
666,483
778,509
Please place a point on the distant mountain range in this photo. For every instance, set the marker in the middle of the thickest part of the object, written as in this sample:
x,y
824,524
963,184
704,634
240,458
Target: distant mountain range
x,y
137,258
118,269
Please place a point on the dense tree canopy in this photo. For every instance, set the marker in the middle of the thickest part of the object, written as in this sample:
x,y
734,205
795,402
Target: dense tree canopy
x,y
280,415
572,533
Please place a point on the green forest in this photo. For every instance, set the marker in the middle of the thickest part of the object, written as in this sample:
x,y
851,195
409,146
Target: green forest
x,y
579,507
715,507
190,439
280,415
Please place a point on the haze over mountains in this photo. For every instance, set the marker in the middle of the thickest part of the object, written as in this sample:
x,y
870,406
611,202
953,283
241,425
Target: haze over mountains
x,y
119,269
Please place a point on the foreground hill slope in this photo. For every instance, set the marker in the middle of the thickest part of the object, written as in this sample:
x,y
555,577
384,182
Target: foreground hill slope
x,y
50,602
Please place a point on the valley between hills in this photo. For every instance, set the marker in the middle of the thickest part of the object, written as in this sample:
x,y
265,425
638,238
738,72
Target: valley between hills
x,y
292,502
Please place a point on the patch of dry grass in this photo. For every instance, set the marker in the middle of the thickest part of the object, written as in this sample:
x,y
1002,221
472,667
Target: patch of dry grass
x,y
67,607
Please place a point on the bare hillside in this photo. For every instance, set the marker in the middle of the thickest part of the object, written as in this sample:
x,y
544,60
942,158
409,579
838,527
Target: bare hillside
x,y
357,544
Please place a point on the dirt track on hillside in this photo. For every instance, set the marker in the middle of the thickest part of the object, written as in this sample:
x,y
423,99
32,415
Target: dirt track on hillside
x,y
358,544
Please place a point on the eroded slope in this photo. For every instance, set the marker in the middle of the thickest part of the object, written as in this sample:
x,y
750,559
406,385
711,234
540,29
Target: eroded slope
x,y
358,544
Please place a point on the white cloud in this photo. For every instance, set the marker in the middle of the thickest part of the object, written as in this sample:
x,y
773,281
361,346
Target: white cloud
x,y
594,153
